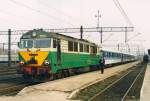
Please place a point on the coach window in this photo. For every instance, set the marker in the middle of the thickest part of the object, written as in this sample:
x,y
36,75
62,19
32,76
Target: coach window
x,y
75,46
54,43
120,55
109,54
106,54
70,46
81,47
116,55
113,54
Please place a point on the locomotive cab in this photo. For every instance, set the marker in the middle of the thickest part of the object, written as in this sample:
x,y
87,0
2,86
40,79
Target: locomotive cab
x,y
34,53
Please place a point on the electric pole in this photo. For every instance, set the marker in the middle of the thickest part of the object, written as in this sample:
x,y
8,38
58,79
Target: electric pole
x,y
98,16
126,37
9,47
81,32
98,21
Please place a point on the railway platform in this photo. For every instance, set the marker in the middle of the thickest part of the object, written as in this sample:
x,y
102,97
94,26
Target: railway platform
x,y
145,90
63,89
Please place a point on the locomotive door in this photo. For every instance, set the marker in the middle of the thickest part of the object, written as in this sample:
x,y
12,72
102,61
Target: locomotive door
x,y
58,52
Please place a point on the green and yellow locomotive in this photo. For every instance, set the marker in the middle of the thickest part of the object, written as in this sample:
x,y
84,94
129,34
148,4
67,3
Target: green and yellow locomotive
x,y
46,55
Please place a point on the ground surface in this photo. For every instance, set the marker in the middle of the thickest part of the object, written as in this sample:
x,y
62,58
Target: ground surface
x,y
145,91
59,90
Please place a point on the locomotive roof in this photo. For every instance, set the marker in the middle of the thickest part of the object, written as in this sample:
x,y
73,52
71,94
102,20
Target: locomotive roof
x,y
43,34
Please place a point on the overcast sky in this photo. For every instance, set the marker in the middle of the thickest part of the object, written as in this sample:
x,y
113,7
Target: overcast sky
x,y
30,14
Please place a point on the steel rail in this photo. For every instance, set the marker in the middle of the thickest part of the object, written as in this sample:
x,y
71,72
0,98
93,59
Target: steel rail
x,y
10,90
127,92
12,87
109,86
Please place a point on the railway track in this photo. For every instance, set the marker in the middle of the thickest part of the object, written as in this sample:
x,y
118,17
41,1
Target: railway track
x,y
13,84
12,90
7,70
121,89
9,86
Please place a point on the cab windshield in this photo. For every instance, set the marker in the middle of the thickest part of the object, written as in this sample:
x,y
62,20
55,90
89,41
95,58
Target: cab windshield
x,y
36,43
26,43
42,43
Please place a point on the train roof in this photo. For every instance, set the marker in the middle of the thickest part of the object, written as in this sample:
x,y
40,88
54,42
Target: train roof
x,y
116,51
40,33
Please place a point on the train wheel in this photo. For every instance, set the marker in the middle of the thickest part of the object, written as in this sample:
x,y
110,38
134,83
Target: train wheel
x,y
42,77
47,75
52,76
27,77
63,74
66,73
93,68
59,74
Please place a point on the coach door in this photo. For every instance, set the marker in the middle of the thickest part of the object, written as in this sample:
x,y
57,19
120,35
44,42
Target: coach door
x,y
58,52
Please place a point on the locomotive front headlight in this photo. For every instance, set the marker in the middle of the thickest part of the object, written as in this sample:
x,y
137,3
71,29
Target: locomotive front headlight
x,y
34,34
21,63
46,62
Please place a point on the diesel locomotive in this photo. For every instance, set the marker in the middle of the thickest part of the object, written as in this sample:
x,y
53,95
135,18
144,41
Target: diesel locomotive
x,y
47,55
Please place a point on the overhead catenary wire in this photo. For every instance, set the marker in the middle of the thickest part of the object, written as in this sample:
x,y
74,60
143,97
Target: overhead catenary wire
x,y
39,11
76,30
4,20
119,6
59,11
134,36
108,37
13,15
127,19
